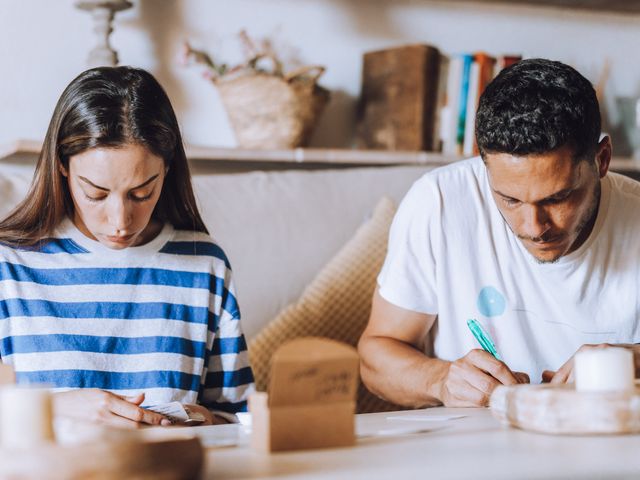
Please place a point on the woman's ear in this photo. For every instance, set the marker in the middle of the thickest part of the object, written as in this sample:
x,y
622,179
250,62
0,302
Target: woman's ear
x,y
63,171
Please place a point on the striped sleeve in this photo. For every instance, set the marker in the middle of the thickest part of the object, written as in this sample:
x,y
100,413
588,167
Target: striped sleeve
x,y
228,378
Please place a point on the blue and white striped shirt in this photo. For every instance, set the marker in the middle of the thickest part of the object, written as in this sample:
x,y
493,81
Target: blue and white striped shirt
x,y
160,318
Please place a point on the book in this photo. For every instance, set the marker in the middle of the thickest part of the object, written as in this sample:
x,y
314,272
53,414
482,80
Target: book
x,y
449,114
399,97
481,74
467,60
472,105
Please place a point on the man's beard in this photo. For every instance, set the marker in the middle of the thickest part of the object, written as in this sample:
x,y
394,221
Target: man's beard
x,y
588,220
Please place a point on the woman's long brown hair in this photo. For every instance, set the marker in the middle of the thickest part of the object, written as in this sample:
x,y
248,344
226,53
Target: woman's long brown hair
x,y
105,107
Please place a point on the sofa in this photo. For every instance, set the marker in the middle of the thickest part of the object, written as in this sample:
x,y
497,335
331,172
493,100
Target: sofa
x,y
280,229
305,244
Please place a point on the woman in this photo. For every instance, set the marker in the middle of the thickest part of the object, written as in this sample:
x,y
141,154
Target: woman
x,y
111,290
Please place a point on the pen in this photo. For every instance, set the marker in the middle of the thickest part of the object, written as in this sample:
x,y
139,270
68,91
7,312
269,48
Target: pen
x,y
483,338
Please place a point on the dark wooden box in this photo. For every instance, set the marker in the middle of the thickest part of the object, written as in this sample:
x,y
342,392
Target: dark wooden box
x,y
398,103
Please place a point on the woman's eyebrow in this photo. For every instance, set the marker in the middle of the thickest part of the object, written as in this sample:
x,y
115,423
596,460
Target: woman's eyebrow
x,y
143,184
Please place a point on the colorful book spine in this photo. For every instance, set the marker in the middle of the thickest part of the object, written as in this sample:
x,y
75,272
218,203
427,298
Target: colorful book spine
x,y
504,61
467,76
481,74
449,114
472,103
467,60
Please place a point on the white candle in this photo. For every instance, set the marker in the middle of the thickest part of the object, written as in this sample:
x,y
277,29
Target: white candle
x,y
25,416
604,370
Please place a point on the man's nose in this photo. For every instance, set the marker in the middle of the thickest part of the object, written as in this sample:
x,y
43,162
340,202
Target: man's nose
x,y
537,222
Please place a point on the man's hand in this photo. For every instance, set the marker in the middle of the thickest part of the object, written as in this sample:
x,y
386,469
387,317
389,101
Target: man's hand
x,y
470,380
98,406
393,364
565,373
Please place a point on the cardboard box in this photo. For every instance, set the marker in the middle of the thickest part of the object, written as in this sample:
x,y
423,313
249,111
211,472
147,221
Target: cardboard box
x,y
311,399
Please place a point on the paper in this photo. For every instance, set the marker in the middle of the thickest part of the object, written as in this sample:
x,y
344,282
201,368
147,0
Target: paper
x,y
387,432
177,413
424,418
218,436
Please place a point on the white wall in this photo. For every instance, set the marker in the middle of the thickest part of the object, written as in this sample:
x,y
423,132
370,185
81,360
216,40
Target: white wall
x,y
44,44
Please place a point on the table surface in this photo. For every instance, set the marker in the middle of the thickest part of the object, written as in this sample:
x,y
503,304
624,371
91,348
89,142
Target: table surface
x,y
473,446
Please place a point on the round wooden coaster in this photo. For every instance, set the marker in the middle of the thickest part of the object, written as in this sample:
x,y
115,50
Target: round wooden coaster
x,y
560,409
142,456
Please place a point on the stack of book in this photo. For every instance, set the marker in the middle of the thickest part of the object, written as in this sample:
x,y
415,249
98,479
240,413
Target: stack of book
x,y
468,75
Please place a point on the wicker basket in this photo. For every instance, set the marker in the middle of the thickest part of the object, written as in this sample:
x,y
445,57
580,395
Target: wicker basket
x,y
272,112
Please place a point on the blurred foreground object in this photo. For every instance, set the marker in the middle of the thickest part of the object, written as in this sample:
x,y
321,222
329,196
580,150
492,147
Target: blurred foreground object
x,y
563,410
29,449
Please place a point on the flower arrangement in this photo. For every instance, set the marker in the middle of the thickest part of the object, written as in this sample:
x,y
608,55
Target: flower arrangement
x,y
268,106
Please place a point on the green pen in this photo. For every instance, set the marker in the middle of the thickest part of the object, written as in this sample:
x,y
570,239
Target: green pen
x,y
483,338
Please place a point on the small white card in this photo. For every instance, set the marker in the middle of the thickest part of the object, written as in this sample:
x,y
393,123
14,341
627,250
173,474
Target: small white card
x,y
177,413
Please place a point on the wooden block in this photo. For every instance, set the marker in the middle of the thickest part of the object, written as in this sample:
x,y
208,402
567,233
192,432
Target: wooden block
x,y
277,429
560,409
311,400
399,98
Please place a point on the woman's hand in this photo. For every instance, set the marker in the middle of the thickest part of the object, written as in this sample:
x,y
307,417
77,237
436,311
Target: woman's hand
x,y
106,408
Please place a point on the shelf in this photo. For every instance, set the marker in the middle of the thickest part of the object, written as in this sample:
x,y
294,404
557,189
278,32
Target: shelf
x,y
23,151
614,6
27,151
320,156
20,148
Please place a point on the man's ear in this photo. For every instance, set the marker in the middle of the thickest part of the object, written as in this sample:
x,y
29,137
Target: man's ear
x,y
603,156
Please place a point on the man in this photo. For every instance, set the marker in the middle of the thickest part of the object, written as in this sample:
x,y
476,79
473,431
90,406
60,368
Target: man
x,y
534,239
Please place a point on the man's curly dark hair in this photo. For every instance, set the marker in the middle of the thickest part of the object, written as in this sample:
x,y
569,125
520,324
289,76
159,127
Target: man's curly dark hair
x,y
536,106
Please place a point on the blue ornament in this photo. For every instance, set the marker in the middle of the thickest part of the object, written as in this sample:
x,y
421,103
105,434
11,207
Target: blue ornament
x,y
491,303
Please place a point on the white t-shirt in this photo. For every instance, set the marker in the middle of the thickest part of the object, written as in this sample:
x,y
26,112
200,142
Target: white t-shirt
x,y
452,254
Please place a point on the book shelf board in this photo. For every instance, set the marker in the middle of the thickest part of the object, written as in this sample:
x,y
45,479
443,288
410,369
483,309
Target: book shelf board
x,y
28,150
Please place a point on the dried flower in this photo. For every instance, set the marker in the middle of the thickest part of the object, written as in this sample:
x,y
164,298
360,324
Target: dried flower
x,y
260,57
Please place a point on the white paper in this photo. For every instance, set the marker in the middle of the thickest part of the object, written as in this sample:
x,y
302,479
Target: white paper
x,y
424,418
387,432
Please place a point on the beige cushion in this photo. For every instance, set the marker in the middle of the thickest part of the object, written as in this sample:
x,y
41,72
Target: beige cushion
x,y
336,304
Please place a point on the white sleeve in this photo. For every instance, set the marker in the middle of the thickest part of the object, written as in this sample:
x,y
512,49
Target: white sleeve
x,y
409,275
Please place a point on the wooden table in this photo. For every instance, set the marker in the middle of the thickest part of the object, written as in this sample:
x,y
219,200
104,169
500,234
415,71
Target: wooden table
x,y
475,446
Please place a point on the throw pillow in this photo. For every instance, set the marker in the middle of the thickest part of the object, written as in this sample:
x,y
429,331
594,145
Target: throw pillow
x,y
336,304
